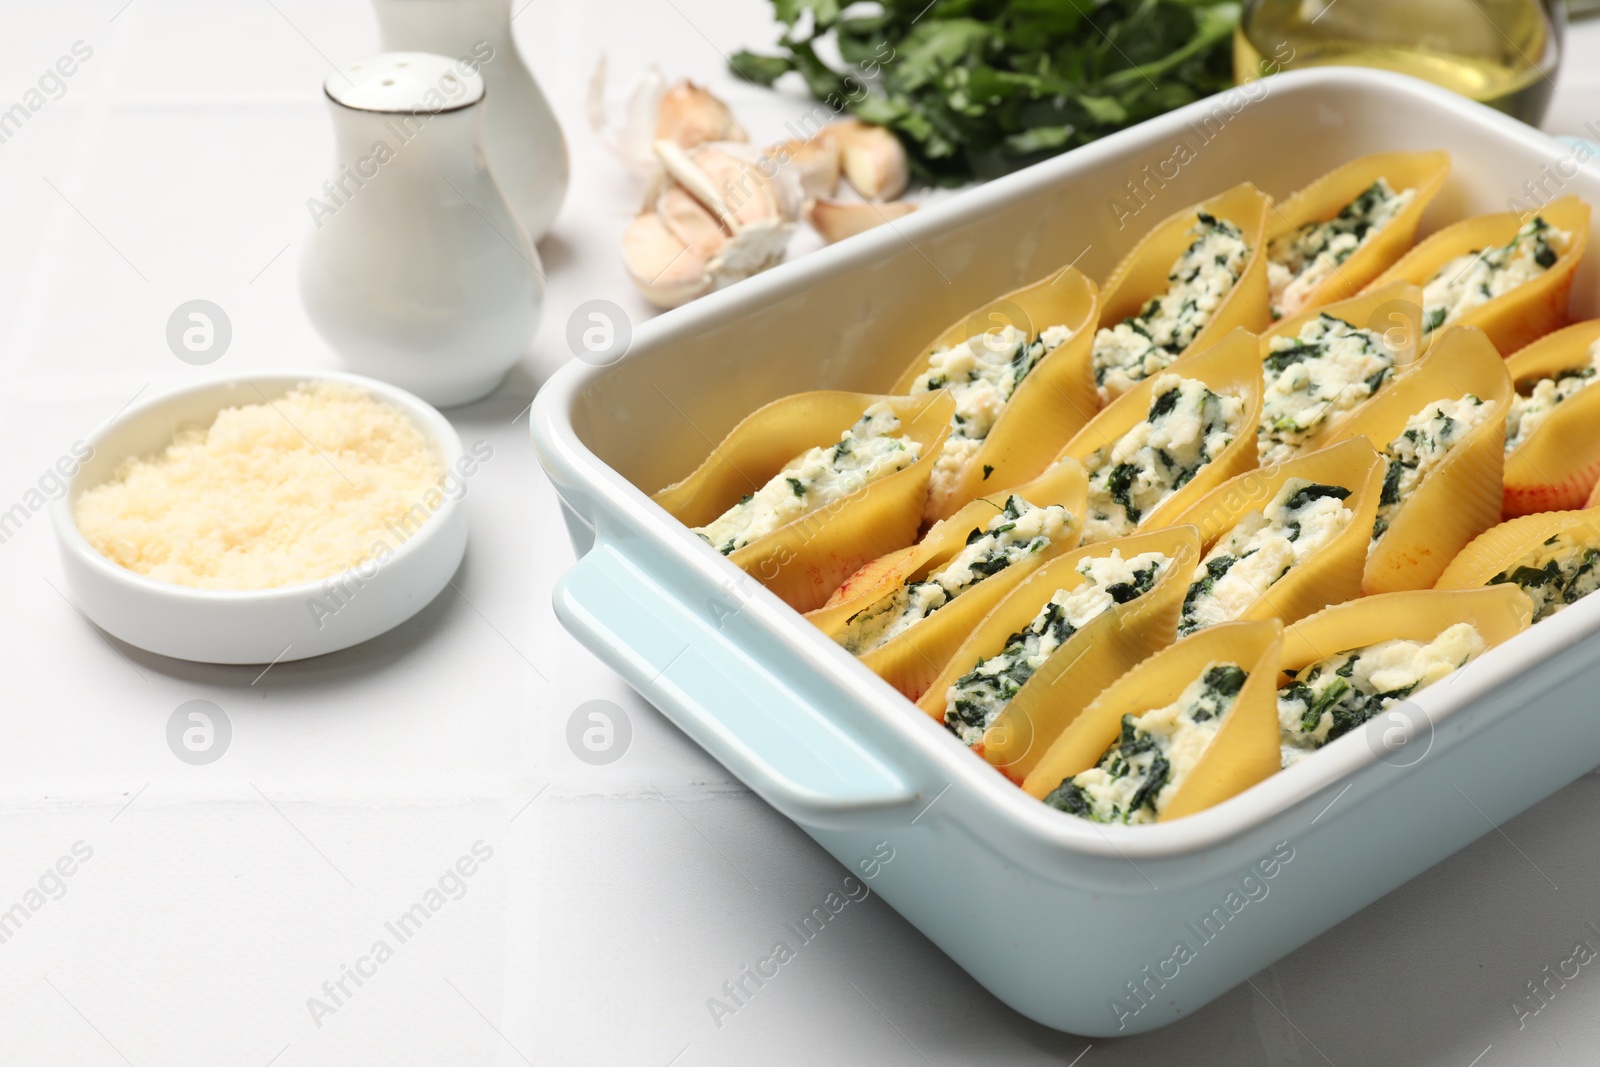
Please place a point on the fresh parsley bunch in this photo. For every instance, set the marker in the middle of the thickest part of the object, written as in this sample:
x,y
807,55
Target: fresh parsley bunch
x,y
978,87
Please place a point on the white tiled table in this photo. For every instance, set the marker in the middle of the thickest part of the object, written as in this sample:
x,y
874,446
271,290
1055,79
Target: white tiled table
x,y
217,900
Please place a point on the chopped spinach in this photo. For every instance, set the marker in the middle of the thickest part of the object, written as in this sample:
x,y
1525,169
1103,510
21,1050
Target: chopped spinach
x,y
1345,701
1163,405
1154,782
991,565
1143,581
1070,798
1133,740
1118,484
1280,361
1561,581
1311,493
1391,487
1225,681
1202,586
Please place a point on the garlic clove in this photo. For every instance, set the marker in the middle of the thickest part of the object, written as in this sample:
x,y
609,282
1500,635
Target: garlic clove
x,y
665,269
744,190
736,183
714,215
681,167
783,183
689,221
835,221
873,159
815,163
688,115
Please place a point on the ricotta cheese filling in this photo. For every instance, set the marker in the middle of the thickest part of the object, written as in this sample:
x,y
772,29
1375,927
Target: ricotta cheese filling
x,y
978,697
869,450
1299,262
1474,279
1199,281
1536,401
1316,378
1262,547
1559,572
1018,531
1187,427
981,373
1429,436
1330,698
1141,772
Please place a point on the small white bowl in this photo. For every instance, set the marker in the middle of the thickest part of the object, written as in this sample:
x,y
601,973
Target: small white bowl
x,y
258,625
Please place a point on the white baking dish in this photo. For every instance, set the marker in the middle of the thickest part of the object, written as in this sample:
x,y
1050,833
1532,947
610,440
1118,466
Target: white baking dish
x,y
1073,924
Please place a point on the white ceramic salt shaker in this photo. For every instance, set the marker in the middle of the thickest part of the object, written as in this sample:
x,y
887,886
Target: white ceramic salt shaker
x,y
416,271
521,136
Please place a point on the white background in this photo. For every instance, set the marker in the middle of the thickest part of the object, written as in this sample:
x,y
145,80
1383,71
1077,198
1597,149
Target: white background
x,y
219,898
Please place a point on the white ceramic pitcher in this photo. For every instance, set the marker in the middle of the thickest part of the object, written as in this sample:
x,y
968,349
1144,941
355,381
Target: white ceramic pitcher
x,y
416,271
526,150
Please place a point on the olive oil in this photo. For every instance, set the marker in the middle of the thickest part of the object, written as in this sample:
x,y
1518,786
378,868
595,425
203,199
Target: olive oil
x,y
1502,53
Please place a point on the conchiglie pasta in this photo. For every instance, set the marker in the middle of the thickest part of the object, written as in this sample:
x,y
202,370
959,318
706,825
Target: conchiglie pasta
x,y
1075,626
1552,443
904,619
1497,612
857,498
1454,264
1283,541
1441,428
1554,557
1018,369
1198,275
1351,662
1227,673
1171,439
1320,366
1340,232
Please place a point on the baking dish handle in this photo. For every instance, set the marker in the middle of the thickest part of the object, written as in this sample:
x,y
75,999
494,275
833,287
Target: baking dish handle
x,y
750,719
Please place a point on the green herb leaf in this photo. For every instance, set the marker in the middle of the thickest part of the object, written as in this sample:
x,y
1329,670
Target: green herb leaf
x,y
974,88
762,70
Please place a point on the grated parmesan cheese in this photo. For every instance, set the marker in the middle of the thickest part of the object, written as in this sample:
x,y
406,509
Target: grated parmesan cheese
x,y
269,494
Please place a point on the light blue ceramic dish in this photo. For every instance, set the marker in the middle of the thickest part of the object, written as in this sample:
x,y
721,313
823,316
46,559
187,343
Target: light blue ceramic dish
x,y
1076,925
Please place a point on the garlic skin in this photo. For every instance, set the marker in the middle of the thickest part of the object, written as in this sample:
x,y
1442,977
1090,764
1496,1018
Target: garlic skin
x,y
714,214
835,220
814,162
873,159
629,140
682,112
